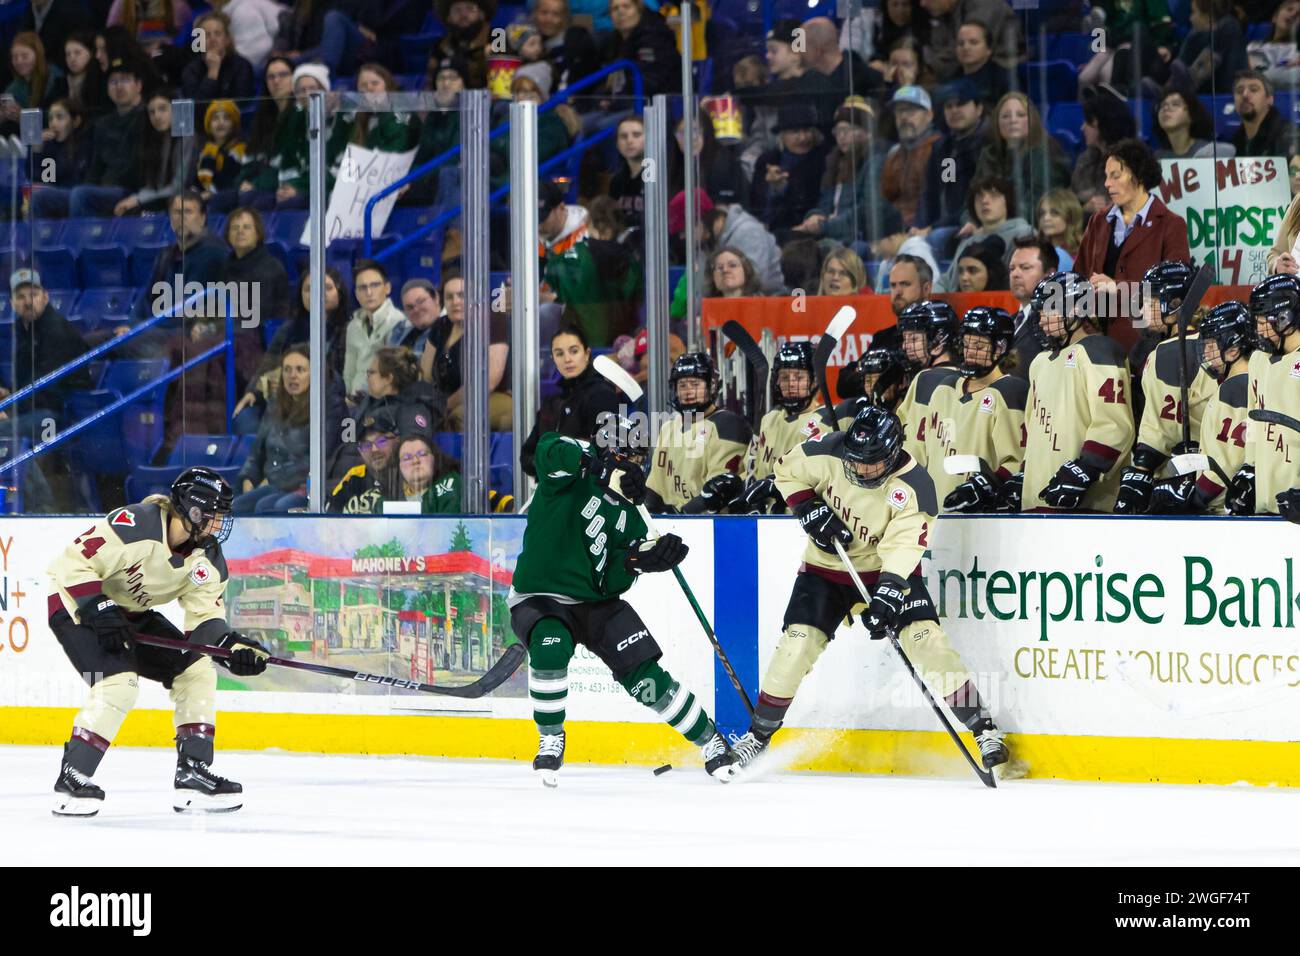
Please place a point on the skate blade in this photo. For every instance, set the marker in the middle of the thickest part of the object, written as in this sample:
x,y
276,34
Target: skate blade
x,y
550,778
724,774
75,806
189,802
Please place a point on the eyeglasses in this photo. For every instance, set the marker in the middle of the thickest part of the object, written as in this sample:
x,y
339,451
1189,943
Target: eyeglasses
x,y
415,456
369,286
379,444
832,272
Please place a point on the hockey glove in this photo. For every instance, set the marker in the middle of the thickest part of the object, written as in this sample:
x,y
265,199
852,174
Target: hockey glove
x,y
976,495
1012,492
599,466
821,525
1134,492
1177,496
102,615
720,491
629,482
1288,505
754,499
655,554
247,657
886,608
1072,481
1241,493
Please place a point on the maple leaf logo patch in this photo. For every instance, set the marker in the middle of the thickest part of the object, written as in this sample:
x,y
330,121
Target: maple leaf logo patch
x,y
123,518
200,574
898,498
986,404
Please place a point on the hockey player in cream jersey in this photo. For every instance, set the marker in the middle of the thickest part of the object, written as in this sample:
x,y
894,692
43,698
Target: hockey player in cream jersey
x,y
860,488
929,331
105,587
1080,420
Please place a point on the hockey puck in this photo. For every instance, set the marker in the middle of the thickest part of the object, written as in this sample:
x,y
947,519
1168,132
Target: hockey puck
x,y
664,769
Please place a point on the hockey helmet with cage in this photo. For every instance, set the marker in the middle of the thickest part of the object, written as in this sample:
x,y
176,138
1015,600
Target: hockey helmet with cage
x,y
994,324
798,357
890,368
1166,284
1068,295
1276,301
199,495
623,435
874,437
693,365
936,321
1228,325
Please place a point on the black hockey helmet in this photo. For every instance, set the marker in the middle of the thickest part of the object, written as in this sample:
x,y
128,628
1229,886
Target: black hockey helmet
x,y
1228,325
1166,284
1276,301
935,320
624,435
995,325
890,368
1069,295
797,356
874,436
198,495
693,365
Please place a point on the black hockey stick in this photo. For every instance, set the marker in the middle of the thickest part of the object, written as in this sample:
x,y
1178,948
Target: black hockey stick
x,y
985,775
1275,418
1195,293
616,375
753,355
496,675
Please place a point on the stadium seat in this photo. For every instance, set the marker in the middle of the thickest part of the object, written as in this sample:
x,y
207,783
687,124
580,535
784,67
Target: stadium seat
x,y
1072,47
208,450
80,233
422,260
241,449
57,267
102,266
1050,81
146,480
132,231
48,233
287,259
416,49
65,300
108,300
1065,118
501,461
449,443
287,226
97,449
126,375
142,260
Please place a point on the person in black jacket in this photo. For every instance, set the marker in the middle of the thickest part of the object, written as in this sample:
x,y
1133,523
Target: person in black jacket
x,y
219,73
274,477
45,341
54,21
262,286
644,37
584,396
1264,131
951,167
787,181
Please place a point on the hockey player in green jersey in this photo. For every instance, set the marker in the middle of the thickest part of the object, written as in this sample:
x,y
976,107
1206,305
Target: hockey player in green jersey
x,y
584,547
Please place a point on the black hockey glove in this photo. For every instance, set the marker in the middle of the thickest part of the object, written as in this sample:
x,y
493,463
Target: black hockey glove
x,y
886,608
247,657
1177,496
1012,492
754,499
1288,505
631,482
655,554
1241,493
102,615
1134,492
821,525
600,466
976,495
720,491
1071,483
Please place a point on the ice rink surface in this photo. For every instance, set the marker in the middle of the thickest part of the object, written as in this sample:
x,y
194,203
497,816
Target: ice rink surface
x,y
337,810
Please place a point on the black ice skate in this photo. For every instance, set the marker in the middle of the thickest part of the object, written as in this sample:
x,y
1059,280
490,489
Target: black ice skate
x,y
718,758
200,790
993,747
75,794
550,758
746,750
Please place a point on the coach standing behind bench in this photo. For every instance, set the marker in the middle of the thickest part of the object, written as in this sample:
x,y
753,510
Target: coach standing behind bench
x,y
1136,233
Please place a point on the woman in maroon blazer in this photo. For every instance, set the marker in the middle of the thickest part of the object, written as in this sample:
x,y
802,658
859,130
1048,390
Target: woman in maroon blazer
x,y
1136,233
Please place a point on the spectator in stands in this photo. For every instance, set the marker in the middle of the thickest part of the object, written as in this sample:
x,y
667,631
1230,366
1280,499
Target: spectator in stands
x,y
262,280
222,158
1282,257
787,181
626,187
55,21
220,72
117,43
1214,51
1144,28
274,109
149,19
1184,128
285,178
903,68
842,273
849,208
569,47
63,141
164,159
946,19
980,267
729,275
1033,259
428,476
728,224
362,488
274,477
421,307
371,325
1293,166
44,340
1060,222
1022,151
953,161
442,362
898,19
990,205
393,382
386,129
1278,56
84,77
902,178
717,165
583,397
801,261
556,128
911,279
113,168
439,132
598,280
1263,131
195,256
975,55
1137,232
791,78
644,37
605,220
749,78
1107,120
36,83
254,25
847,73
324,31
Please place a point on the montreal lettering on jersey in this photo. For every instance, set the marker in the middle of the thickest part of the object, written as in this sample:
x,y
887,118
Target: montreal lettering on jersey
x,y
135,585
860,531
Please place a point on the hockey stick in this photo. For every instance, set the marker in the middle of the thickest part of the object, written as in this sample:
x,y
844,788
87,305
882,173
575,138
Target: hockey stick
x,y
1195,293
985,775
1275,418
1191,463
969,465
496,675
839,324
753,355
616,375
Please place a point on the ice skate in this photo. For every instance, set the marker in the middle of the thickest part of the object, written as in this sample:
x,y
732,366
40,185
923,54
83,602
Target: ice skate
x,y
747,751
199,790
993,747
550,758
718,758
75,794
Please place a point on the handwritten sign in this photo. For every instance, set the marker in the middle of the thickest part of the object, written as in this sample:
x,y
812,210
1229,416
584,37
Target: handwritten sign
x,y
362,173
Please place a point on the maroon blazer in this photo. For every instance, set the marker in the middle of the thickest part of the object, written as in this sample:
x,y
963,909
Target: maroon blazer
x,y
1163,236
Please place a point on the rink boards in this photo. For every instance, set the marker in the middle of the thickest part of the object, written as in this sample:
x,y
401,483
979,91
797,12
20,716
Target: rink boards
x,y
1110,649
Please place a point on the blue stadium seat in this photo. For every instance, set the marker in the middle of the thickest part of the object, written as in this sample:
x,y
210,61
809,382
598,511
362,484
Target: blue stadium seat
x,y
146,480
501,461
422,260
1224,111
208,450
103,266
48,233
269,328
141,263
126,375
449,443
65,300
281,252
411,82
14,233
1072,47
80,233
1050,81
242,447
57,267
11,481
115,300
132,231
1258,31
97,449
1065,117
287,226
416,49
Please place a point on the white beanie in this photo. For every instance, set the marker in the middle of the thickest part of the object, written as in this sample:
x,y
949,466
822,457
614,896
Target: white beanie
x,y
539,73
317,71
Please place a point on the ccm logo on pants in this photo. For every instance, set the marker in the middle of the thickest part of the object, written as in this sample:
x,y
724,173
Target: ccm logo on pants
x,y
629,641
